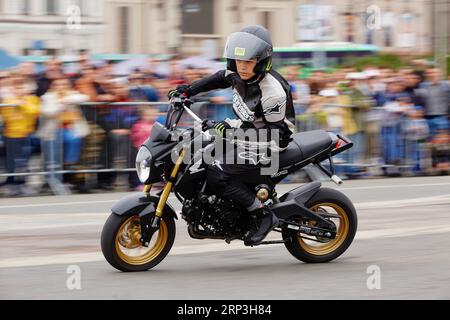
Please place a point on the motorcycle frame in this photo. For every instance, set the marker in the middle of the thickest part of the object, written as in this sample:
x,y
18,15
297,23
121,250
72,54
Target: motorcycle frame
x,y
291,204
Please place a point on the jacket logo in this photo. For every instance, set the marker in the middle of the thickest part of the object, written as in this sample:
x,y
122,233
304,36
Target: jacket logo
x,y
275,109
242,109
254,157
279,174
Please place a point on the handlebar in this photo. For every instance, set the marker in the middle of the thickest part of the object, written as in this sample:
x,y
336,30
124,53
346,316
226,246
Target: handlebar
x,y
184,100
192,114
185,103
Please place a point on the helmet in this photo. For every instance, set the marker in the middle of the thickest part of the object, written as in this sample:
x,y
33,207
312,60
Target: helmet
x,y
249,43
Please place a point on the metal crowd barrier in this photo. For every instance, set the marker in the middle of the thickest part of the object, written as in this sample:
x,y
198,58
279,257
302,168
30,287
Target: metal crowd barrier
x,y
370,140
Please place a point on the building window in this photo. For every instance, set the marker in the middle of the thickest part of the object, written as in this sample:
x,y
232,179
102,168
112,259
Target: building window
x,y
124,14
82,5
265,19
24,7
197,16
47,52
349,30
162,11
406,36
389,20
369,36
51,7
235,12
314,22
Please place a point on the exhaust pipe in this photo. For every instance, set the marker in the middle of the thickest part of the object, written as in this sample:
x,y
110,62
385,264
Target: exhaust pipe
x,y
336,179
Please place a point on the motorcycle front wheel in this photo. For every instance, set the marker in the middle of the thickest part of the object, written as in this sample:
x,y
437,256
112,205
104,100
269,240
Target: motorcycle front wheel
x,y
318,249
122,248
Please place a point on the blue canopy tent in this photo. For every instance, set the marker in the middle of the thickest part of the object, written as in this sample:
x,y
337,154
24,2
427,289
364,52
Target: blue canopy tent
x,y
7,61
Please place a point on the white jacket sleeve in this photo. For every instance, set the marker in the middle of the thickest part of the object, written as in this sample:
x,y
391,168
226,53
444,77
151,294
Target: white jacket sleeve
x,y
75,98
50,105
234,123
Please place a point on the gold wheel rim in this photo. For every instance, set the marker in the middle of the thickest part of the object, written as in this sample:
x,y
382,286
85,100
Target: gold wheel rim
x,y
128,245
342,232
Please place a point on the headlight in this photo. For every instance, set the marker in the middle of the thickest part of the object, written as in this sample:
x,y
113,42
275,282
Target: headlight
x,y
143,159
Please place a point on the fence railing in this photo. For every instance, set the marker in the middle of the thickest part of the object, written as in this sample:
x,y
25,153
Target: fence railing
x,y
383,140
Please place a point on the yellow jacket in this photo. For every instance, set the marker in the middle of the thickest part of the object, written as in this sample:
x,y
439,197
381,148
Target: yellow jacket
x,y
20,121
349,125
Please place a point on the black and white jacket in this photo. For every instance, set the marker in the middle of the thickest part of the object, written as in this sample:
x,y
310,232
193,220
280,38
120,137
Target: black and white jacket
x,y
263,102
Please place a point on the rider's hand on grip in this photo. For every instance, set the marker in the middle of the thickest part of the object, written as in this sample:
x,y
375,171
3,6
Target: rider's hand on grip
x,y
208,124
182,89
219,127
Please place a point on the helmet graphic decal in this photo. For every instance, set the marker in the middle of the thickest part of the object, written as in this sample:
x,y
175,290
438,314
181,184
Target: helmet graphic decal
x,y
239,51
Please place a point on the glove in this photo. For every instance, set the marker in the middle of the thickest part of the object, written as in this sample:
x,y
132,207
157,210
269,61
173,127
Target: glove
x,y
220,127
181,89
208,124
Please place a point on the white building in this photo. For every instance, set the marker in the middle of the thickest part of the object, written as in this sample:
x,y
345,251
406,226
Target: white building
x,y
51,25
101,26
141,26
402,26
192,26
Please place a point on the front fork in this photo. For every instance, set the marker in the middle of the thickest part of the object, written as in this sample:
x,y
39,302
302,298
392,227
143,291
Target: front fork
x,y
148,225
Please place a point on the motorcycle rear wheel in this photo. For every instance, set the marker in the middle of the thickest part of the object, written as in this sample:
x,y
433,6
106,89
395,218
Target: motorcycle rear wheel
x,y
332,201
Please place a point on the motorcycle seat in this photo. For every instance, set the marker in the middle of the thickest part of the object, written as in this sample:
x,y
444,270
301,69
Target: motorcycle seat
x,y
305,145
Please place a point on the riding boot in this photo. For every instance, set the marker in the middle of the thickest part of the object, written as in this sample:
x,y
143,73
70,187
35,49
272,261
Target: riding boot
x,y
265,221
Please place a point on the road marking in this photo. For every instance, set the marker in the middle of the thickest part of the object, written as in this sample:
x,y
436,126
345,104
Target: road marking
x,y
49,204
401,232
28,221
210,247
55,204
19,227
98,256
396,186
435,200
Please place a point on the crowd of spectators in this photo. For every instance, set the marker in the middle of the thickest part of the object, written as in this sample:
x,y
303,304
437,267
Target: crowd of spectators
x,y
56,120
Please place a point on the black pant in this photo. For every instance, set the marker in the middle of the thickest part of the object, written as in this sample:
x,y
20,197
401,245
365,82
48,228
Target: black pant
x,y
233,183
18,151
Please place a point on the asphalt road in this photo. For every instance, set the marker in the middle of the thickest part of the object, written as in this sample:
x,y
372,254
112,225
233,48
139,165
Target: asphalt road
x,y
403,240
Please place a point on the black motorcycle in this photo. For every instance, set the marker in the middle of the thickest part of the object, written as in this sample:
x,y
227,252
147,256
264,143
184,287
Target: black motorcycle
x,y
316,224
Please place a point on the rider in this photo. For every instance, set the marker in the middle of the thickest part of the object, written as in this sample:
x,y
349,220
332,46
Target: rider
x,y
261,100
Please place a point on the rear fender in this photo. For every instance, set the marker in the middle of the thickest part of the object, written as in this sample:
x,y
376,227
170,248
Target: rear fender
x,y
302,194
293,203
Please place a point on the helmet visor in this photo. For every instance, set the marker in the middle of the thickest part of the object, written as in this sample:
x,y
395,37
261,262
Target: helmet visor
x,y
245,46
